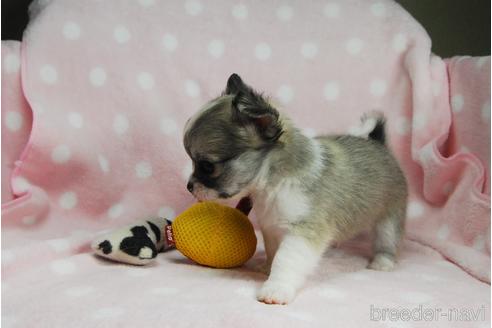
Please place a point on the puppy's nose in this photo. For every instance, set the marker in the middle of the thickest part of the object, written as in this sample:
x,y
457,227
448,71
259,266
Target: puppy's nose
x,y
189,186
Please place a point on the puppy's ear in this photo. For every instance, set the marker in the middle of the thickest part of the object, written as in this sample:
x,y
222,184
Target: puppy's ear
x,y
235,85
253,108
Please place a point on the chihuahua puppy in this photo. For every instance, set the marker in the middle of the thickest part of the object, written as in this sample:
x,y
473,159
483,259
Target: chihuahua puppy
x,y
307,192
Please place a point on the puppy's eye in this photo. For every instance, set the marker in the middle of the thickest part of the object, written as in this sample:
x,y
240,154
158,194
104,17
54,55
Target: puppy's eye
x,y
206,167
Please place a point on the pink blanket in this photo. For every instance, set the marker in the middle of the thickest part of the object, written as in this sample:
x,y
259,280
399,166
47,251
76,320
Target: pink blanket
x,y
109,87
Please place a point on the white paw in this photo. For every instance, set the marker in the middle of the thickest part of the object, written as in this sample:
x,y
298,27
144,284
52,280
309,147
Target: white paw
x,y
382,262
275,293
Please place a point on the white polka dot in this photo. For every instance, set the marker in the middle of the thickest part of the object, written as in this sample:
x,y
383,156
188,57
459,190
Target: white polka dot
x,y
188,168
76,120
378,87
193,7
240,11
436,88
7,256
146,3
486,112
402,126
108,313
443,232
11,63
331,91
263,51
71,31
399,42
169,126
79,291
60,154
166,212
457,103
285,94
216,48
20,185
447,188
48,74
310,132
63,267
378,9
116,210
415,210
331,10
37,107
97,76
285,12
145,80
332,293
479,242
419,121
164,291
59,245
29,220
426,154
309,50
120,124
143,170
354,46
169,42
192,88
103,163
121,34
68,200
416,297
13,120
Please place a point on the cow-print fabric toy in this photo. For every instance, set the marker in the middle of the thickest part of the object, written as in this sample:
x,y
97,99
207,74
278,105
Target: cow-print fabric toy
x,y
137,243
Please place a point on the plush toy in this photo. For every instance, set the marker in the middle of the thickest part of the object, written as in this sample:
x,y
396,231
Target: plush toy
x,y
208,233
137,243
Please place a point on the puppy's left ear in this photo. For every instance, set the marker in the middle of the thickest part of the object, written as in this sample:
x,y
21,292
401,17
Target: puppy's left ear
x,y
252,107
234,85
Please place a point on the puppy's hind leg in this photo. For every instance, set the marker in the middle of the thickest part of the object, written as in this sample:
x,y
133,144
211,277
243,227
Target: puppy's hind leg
x,y
388,234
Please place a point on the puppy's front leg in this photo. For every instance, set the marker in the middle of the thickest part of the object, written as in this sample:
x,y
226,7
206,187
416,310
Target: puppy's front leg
x,y
295,259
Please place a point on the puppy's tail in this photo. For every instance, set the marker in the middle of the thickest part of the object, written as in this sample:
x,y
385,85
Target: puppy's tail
x,y
372,127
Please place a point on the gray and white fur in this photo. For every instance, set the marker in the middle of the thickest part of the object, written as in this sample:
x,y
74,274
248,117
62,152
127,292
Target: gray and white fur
x,y
308,193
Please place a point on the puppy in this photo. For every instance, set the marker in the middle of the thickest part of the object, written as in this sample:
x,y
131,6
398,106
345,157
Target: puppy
x,y
307,192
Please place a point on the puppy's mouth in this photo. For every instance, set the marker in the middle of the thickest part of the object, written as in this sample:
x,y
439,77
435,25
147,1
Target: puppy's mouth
x,y
225,195
221,195
202,195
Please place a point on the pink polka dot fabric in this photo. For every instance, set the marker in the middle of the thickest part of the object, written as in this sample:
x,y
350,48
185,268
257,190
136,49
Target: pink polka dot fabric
x,y
94,102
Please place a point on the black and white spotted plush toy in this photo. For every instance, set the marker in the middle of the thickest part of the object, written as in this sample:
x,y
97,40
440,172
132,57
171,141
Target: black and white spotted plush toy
x,y
137,243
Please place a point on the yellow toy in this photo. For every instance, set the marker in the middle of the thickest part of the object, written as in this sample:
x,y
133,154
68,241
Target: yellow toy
x,y
213,235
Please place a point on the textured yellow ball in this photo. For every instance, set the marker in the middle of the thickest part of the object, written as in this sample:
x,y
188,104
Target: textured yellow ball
x,y
214,235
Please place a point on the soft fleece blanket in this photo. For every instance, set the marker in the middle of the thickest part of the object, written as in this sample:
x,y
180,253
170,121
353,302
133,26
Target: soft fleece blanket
x,y
108,86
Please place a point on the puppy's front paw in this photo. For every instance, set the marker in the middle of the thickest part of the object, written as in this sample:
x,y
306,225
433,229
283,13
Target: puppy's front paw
x,y
382,262
275,293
